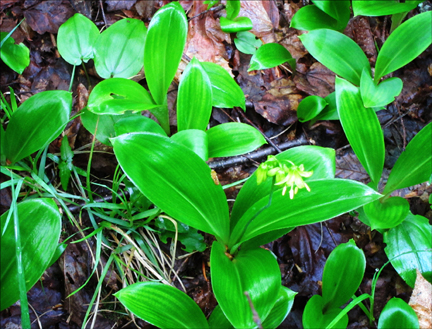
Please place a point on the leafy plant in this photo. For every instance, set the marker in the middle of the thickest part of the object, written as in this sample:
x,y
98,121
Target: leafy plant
x,y
232,23
17,57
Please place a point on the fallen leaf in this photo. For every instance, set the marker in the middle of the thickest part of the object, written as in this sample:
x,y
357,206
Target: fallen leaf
x,y
262,24
359,30
421,301
119,4
47,16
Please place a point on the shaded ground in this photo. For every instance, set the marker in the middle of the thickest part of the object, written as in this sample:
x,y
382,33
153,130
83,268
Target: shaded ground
x,y
272,99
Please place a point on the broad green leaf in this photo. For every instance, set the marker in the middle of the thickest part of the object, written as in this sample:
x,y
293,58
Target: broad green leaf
x,y
238,24
233,138
65,165
381,95
210,3
306,207
338,52
76,39
265,238
281,308
319,159
412,235
218,320
366,138
388,213
247,43
226,92
118,95
40,225
195,140
343,273
119,49
313,316
407,42
2,145
310,18
271,55
137,124
103,126
253,271
161,305
330,111
17,57
166,38
175,179
310,107
232,9
339,10
36,123
382,8
194,100
397,314
414,165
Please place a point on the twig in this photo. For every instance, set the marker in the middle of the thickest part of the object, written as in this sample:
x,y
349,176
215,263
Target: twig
x,y
215,9
256,317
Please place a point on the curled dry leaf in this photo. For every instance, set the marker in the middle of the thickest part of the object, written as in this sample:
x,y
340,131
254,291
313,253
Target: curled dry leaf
x,y
421,301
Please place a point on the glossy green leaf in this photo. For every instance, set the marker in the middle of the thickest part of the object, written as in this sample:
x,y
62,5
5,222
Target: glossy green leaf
x,y
265,238
137,124
163,49
247,43
226,93
161,305
76,39
319,159
310,18
40,225
339,10
118,95
253,271
382,8
2,145
194,100
238,24
414,165
343,273
397,314
271,55
17,57
232,9
175,179
330,111
381,95
233,138
362,128
388,213
103,126
281,308
195,140
412,235
313,316
210,3
65,165
407,42
337,52
119,49
36,123
218,320
306,207
310,107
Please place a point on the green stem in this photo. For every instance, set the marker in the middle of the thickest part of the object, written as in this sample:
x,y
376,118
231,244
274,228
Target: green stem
x,y
72,78
350,306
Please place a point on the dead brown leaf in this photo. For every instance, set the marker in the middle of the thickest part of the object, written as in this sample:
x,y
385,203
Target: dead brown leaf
x,y
359,30
318,80
421,301
258,12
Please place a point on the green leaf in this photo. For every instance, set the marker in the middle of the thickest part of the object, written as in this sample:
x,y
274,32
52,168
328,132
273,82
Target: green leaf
x,y
382,8
247,43
210,3
414,165
166,38
338,52
175,179
407,42
313,316
194,100
271,55
17,57
218,320
232,9
381,95
2,145
330,111
310,18
343,273
238,24
36,123
161,305
388,213
319,159
281,308
412,235
118,95
310,107
366,139
119,49
397,314
339,10
253,271
233,138
76,39
137,124
40,225
195,140
226,92
306,207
